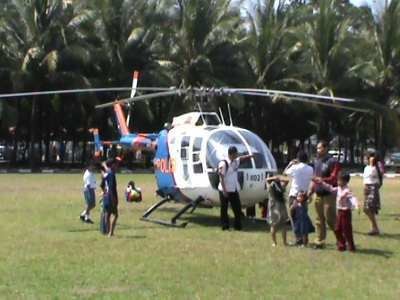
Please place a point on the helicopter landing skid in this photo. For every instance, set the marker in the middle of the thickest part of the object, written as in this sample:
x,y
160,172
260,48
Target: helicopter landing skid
x,y
173,223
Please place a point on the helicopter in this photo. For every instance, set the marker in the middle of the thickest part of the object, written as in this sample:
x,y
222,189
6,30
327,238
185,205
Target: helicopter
x,y
187,152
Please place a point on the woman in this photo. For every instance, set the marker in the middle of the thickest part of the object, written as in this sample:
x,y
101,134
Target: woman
x,y
372,182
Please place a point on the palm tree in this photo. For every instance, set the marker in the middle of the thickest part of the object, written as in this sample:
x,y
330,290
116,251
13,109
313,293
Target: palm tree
x,y
272,50
44,46
203,46
381,73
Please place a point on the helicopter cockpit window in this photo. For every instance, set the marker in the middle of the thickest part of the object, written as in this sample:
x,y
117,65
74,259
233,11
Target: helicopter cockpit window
x,y
217,148
262,156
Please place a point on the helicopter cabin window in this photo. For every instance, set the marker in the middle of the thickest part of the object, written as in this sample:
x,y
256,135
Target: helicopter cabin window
x,y
185,148
217,148
210,119
197,165
185,156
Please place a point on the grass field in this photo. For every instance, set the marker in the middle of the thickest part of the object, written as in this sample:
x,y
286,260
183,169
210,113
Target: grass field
x,y
47,253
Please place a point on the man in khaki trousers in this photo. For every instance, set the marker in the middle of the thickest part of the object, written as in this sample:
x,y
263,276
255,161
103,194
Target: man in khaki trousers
x,y
326,168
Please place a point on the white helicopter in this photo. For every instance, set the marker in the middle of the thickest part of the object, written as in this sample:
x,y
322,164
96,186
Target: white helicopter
x,y
187,152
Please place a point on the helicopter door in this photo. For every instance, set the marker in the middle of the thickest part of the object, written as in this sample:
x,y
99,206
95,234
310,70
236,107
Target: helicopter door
x,y
185,158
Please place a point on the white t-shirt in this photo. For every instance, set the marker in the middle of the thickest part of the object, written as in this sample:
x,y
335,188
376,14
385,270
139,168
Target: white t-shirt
x,y
370,175
301,174
89,179
230,175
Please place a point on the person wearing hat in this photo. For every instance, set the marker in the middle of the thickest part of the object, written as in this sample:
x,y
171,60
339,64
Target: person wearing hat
x,y
229,187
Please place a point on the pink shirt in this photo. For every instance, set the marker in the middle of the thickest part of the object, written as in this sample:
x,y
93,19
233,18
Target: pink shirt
x,y
344,197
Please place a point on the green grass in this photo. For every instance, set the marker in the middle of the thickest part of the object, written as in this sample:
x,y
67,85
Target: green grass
x,y
46,252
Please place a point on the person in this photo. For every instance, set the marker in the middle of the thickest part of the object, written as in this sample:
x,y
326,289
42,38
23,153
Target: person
x,y
372,181
302,225
104,228
278,217
229,187
89,187
110,198
133,193
345,202
326,169
301,174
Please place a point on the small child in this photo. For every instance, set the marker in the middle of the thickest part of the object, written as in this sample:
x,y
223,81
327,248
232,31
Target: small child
x,y
132,193
345,202
89,187
302,223
278,217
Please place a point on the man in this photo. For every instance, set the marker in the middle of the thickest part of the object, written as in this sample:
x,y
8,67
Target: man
x,y
326,168
229,187
110,200
301,174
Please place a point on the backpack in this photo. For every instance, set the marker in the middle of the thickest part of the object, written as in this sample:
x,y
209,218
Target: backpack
x,y
380,175
214,176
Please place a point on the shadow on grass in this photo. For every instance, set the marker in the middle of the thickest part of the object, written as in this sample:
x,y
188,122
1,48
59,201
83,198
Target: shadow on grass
x,y
129,236
84,229
249,225
394,236
377,252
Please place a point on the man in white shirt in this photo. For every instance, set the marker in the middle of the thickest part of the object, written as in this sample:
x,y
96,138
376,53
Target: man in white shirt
x,y
89,186
229,187
301,174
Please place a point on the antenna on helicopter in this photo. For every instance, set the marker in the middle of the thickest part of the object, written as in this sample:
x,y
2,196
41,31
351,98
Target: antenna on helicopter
x,y
230,115
222,116
201,113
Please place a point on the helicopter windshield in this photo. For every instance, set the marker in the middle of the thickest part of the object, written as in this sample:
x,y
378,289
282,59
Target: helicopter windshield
x,y
218,144
220,141
262,156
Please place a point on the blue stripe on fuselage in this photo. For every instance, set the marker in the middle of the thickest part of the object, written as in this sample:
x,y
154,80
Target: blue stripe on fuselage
x,y
164,167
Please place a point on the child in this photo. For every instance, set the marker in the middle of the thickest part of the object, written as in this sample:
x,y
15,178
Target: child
x,y
302,223
132,193
89,186
345,202
277,213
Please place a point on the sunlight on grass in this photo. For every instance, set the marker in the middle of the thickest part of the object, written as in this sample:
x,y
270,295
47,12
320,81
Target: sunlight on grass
x,y
46,252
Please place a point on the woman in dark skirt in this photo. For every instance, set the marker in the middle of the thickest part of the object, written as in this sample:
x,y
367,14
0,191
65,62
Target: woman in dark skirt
x,y
372,179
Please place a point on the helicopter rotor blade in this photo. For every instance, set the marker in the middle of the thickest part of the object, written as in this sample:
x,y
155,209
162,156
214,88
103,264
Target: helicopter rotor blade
x,y
307,100
91,90
170,92
286,93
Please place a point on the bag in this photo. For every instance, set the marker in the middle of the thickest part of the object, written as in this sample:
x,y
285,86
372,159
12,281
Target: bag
x,y
214,175
380,175
103,223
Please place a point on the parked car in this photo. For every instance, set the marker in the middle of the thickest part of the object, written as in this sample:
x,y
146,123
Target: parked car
x,y
3,152
394,159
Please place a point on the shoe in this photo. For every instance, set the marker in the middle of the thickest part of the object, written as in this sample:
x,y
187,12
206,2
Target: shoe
x,y
319,246
89,221
225,228
82,217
